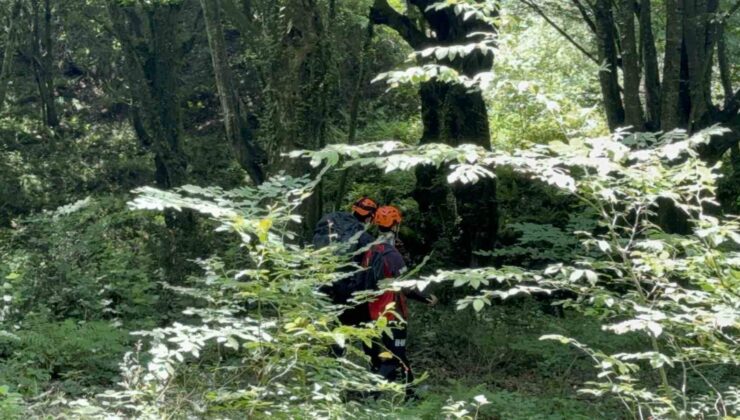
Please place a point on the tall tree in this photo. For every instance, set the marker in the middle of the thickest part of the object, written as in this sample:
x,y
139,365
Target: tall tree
x,y
9,50
695,42
649,58
295,82
354,108
240,136
42,59
153,52
149,35
633,113
451,114
608,55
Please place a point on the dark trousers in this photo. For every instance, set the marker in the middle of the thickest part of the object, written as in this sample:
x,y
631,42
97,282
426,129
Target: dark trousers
x,y
396,366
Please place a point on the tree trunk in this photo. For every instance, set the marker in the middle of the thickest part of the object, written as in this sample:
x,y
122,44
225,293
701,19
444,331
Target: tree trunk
x,y
672,66
683,100
166,116
650,64
9,53
453,115
630,63
725,72
608,77
354,111
694,34
238,133
296,81
152,51
152,73
42,56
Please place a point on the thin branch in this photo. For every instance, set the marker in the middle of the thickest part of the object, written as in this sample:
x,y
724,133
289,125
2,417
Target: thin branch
x,y
584,13
562,32
731,11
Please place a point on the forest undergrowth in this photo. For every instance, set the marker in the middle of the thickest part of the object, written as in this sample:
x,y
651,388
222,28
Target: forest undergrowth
x,y
568,196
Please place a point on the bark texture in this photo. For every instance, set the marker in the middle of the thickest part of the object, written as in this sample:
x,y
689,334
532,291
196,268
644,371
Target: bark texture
x,y
631,67
295,85
672,65
608,74
153,60
42,59
241,138
650,65
9,53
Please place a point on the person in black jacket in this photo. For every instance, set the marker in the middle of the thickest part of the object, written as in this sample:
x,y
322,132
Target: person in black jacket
x,y
344,227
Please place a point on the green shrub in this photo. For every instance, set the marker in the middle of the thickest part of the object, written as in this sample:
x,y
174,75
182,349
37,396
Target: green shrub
x,y
73,357
256,341
678,293
90,260
40,171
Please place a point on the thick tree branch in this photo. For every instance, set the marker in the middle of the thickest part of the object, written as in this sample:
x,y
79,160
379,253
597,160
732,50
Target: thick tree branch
x,y
381,13
560,30
719,145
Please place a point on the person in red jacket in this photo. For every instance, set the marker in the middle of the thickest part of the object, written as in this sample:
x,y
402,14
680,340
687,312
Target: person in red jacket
x,y
388,357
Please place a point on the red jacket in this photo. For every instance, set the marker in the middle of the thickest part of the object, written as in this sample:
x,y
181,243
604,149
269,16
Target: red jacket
x,y
391,265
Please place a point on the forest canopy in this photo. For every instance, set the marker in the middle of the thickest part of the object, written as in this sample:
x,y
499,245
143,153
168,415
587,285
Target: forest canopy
x,y
453,209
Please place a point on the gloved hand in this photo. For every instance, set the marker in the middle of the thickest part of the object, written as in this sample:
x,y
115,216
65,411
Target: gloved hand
x,y
432,300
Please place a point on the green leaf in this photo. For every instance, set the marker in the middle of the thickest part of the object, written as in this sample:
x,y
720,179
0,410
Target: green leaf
x,y
478,305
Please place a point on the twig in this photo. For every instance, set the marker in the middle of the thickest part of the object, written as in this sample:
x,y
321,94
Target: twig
x,y
562,32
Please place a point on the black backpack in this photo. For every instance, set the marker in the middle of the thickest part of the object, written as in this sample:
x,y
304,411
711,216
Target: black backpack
x,y
339,227
343,228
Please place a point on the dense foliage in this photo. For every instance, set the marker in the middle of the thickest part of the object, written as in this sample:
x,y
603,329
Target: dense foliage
x,y
567,195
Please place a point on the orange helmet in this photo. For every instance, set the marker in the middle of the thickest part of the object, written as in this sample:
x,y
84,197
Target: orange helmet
x,y
365,206
387,217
